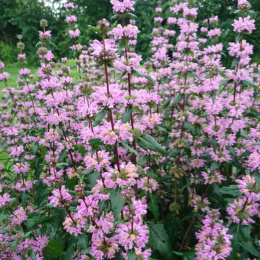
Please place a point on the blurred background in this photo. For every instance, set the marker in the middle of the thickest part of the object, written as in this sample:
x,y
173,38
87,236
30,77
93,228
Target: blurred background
x,y
23,16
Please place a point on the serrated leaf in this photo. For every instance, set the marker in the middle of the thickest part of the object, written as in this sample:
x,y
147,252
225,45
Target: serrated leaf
x,y
3,216
152,175
94,29
83,241
55,248
132,150
257,178
189,126
231,190
95,141
114,17
148,142
234,63
93,178
132,15
247,82
113,26
214,143
249,247
100,116
244,134
178,99
153,206
131,255
126,117
224,82
174,152
117,202
159,240
166,104
140,74
214,166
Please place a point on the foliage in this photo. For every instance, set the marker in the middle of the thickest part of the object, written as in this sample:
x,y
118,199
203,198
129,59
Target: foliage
x,y
108,156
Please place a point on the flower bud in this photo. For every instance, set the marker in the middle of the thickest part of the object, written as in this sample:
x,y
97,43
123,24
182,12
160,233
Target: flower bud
x,y
43,23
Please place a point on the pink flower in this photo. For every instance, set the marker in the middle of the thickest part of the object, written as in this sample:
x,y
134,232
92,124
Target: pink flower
x,y
19,216
2,65
243,5
4,200
45,36
88,206
74,34
69,5
254,161
21,168
74,224
249,188
4,76
22,185
60,197
214,33
214,242
244,25
104,247
71,19
132,234
122,7
24,72
242,210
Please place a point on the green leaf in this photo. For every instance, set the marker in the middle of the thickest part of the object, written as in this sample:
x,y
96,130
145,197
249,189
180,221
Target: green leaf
x,y
121,75
231,190
153,206
167,102
214,166
117,202
81,149
3,216
239,37
140,74
247,82
234,63
249,247
95,141
189,127
94,29
244,134
83,241
257,179
214,143
224,82
131,255
113,26
100,116
35,220
177,99
114,17
55,248
174,152
132,15
148,142
152,175
70,247
159,240
126,117
93,178
178,253
132,150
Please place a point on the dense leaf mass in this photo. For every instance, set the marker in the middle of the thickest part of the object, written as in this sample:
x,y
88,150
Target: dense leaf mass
x,y
129,156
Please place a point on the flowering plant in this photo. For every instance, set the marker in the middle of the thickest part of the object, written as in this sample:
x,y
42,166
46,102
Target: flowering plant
x,y
154,160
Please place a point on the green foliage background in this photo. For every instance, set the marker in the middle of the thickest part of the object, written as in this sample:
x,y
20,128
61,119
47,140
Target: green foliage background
x,y
23,16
